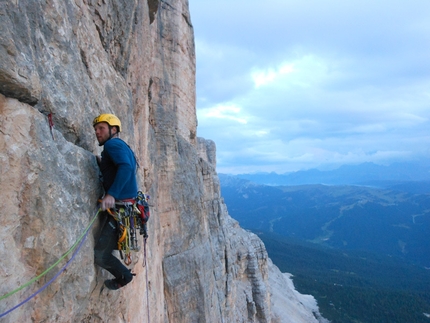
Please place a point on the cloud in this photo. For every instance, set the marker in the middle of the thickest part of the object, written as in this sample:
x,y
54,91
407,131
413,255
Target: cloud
x,y
223,112
287,85
270,76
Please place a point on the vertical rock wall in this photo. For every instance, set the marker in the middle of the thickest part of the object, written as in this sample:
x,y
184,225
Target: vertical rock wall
x,y
75,59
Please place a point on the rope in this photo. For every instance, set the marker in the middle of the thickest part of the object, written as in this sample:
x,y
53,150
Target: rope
x,y
146,272
80,241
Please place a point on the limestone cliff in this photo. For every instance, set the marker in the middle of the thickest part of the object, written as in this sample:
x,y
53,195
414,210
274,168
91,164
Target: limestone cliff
x,y
72,60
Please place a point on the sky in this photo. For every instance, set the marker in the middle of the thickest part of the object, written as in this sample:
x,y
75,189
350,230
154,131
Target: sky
x,y
292,85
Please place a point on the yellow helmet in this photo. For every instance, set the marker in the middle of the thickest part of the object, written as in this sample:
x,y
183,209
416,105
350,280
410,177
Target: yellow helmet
x,y
110,119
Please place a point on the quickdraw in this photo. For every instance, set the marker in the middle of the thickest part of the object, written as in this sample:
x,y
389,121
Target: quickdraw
x,y
51,125
50,122
128,214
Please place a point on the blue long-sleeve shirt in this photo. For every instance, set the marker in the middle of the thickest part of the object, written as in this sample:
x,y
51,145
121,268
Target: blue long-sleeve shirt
x,y
118,168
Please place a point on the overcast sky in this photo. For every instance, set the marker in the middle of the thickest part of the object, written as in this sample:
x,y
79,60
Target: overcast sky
x,y
286,85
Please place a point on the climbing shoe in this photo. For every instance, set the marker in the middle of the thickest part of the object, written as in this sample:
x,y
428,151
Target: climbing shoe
x,y
112,284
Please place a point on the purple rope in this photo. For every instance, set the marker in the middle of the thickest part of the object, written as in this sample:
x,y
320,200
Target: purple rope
x,y
50,281
147,285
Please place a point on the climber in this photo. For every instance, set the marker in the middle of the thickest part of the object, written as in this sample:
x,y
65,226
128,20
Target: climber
x,y
117,164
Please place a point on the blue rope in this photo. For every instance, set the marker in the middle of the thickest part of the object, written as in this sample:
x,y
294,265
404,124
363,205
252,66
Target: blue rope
x,y
50,281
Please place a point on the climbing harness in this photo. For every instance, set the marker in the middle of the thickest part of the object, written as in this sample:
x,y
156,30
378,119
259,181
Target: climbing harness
x,y
75,247
131,215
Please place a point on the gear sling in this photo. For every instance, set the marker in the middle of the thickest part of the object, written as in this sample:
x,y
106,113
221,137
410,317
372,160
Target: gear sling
x,y
132,216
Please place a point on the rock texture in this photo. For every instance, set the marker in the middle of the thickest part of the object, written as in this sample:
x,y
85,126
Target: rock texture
x,y
75,59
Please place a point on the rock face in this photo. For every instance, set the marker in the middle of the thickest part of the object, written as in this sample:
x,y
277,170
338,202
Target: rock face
x,y
72,60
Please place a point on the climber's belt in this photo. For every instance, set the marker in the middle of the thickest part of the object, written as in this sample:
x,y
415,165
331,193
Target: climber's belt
x,y
125,202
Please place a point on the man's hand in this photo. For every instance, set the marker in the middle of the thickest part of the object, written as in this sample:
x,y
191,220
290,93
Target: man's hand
x,y
108,202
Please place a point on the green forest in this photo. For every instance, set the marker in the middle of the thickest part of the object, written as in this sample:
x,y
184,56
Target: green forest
x,y
354,286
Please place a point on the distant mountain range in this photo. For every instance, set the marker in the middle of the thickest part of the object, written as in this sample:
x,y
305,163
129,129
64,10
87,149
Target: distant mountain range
x,y
362,174
390,221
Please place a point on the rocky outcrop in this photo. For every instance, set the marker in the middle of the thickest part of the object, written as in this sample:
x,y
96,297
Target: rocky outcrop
x,y
69,61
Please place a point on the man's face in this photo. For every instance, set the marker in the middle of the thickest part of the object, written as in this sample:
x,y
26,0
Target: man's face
x,y
102,132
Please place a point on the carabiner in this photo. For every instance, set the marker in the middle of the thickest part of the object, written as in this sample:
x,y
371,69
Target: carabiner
x,y
128,259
